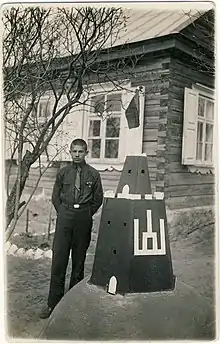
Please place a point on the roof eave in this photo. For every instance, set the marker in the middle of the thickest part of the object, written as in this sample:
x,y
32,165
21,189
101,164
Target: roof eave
x,y
139,48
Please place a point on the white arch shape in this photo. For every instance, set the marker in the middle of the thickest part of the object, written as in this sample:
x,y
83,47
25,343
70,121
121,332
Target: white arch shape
x,y
112,285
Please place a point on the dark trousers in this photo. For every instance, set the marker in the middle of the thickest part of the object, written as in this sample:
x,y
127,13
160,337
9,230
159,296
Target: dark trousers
x,y
73,233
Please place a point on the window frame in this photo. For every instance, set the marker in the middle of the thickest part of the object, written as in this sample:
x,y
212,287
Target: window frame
x,y
207,94
205,121
36,109
102,136
40,120
41,102
131,140
191,119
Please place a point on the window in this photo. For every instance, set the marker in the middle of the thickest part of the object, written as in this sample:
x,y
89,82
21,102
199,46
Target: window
x,y
198,128
204,142
41,110
104,129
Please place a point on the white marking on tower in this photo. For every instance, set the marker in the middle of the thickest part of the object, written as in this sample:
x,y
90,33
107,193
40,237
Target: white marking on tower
x,y
148,196
158,195
149,234
112,285
125,194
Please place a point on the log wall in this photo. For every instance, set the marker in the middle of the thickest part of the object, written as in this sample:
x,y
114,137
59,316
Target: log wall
x,y
183,188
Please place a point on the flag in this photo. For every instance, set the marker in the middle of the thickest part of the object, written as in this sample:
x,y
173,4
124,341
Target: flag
x,y
132,112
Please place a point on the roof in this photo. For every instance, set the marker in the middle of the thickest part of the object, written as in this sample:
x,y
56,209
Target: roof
x,y
152,24
143,25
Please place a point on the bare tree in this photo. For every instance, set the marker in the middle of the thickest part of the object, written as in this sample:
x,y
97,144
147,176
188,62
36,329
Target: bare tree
x,y
48,52
203,24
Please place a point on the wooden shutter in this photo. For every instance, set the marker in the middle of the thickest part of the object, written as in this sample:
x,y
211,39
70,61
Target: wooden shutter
x,y
133,138
189,127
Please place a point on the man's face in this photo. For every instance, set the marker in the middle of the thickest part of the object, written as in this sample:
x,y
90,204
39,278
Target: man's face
x,y
78,153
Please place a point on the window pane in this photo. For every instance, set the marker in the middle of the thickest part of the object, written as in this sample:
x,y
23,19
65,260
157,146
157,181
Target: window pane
x,y
201,107
209,133
40,110
208,152
199,151
113,102
43,110
210,110
47,110
111,149
199,132
98,104
34,111
94,128
113,127
94,147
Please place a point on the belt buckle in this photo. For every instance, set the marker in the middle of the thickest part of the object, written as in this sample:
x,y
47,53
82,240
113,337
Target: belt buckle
x,y
76,206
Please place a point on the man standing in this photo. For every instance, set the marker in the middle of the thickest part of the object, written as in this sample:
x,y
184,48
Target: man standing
x,y
77,195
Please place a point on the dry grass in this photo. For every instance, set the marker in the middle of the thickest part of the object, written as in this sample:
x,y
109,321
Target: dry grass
x,y
197,226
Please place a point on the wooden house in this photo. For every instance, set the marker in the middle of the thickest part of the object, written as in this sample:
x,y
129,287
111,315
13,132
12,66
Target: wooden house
x,y
174,74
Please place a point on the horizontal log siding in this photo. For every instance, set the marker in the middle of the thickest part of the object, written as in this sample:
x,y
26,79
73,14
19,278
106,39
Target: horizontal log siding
x,y
155,77
183,188
109,180
164,81
40,204
45,185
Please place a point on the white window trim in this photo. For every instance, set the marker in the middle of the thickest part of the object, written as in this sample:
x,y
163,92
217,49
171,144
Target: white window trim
x,y
45,99
206,91
42,101
109,161
201,169
198,166
117,164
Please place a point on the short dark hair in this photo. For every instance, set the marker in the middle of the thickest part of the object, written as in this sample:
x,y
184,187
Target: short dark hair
x,y
79,142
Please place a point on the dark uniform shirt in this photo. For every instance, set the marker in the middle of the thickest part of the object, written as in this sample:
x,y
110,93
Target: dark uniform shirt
x,y
91,192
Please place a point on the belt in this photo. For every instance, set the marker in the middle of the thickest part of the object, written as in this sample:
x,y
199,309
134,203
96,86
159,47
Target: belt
x,y
75,206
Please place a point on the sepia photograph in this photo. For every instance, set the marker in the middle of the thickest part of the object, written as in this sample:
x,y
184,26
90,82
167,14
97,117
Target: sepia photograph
x,y
109,171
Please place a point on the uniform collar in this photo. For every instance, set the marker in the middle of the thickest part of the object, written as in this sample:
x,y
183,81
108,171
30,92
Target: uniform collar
x,y
82,164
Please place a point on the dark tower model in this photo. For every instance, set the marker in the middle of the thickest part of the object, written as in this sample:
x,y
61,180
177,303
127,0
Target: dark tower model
x,y
133,252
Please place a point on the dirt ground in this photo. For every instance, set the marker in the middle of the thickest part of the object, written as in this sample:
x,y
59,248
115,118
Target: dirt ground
x,y
28,280
26,293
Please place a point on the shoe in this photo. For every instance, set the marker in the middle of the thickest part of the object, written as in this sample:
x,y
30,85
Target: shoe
x,y
46,312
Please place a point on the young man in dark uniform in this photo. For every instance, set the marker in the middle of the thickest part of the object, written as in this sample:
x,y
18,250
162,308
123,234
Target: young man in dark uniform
x,y
77,195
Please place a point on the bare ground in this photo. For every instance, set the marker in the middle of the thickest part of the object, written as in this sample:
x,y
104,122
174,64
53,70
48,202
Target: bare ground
x,y
28,280
27,289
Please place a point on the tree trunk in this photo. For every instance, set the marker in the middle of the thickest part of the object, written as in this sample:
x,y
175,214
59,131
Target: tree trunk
x,y
11,200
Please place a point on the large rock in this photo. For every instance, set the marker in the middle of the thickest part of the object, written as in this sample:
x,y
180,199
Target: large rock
x,y
88,312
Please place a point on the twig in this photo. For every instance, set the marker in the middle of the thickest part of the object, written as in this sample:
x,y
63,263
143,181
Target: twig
x,y
9,231
37,183
49,225
27,222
